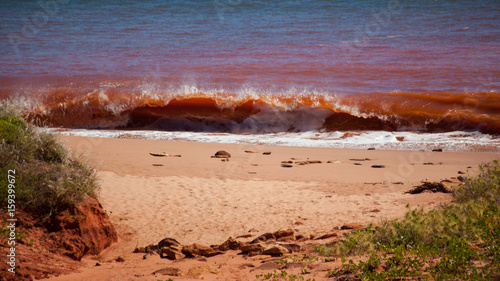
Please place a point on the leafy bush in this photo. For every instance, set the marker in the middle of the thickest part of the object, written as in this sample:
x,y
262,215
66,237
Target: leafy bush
x,y
461,240
47,179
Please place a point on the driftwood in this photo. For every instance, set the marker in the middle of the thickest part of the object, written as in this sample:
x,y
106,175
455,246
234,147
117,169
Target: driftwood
x,y
443,186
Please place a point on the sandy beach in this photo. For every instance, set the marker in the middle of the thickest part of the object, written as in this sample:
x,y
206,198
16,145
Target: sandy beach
x,y
198,199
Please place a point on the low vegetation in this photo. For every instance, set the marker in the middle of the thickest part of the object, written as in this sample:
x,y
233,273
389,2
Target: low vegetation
x,y
47,179
458,241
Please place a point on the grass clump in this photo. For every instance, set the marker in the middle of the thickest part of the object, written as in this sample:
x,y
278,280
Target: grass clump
x,y
461,240
46,179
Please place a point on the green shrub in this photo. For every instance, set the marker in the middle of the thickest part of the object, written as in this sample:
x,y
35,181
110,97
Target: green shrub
x,y
461,240
47,180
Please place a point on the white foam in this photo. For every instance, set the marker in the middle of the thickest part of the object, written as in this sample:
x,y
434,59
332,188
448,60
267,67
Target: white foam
x,y
449,141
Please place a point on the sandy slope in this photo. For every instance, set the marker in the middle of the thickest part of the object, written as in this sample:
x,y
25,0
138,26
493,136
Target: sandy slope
x,y
195,198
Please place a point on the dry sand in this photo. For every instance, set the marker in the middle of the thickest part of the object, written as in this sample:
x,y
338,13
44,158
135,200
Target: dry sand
x,y
196,198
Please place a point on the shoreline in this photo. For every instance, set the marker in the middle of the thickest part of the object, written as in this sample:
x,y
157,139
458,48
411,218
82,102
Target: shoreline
x,y
382,140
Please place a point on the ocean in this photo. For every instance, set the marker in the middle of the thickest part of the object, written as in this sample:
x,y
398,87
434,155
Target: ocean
x,y
364,73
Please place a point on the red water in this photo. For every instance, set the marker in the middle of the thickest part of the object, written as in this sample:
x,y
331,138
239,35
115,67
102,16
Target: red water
x,y
119,108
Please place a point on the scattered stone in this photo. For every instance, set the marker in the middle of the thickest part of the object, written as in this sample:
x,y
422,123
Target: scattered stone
x,y
196,249
371,148
244,236
429,163
222,154
400,138
173,252
378,166
275,250
437,150
139,250
292,247
461,178
253,230
351,226
308,162
283,233
98,264
300,237
328,235
250,151
120,259
230,244
252,248
224,159
299,223
167,242
375,211
334,162
254,164
397,182
469,167
286,165
252,173
163,154
264,237
357,164
287,162
170,271
445,186
461,172
266,153
357,159
157,165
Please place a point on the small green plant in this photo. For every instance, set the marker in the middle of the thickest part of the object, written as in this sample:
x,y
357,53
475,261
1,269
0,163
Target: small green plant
x,y
461,240
46,179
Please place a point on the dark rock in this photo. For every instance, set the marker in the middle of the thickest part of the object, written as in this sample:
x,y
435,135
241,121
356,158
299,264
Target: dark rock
x,y
443,186
173,252
371,148
230,244
120,259
266,153
284,232
437,150
292,247
461,172
351,226
196,249
263,237
222,154
252,248
378,166
275,250
286,165
167,242
328,235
